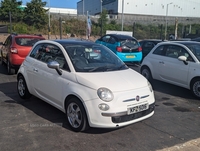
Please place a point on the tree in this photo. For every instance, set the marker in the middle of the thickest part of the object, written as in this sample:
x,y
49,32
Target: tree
x,y
11,7
103,20
35,14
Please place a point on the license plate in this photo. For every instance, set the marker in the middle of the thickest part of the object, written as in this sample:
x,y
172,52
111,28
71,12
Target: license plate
x,y
130,56
138,108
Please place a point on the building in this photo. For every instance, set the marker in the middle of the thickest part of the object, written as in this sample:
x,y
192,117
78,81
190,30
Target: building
x,y
66,11
53,10
133,10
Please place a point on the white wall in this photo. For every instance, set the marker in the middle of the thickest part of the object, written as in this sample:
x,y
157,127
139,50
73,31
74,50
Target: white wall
x,y
179,8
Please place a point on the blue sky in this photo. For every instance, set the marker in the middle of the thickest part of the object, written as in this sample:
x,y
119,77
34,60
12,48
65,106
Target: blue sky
x,y
59,3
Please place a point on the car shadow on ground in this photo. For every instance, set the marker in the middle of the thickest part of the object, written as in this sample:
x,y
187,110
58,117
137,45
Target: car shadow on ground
x,y
172,90
40,108
3,69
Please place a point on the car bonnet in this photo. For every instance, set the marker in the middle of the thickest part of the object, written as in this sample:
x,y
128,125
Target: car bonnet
x,y
116,81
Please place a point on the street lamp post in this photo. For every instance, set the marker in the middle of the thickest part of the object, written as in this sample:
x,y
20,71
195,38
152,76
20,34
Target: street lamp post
x,y
101,5
49,31
101,18
166,20
83,7
122,15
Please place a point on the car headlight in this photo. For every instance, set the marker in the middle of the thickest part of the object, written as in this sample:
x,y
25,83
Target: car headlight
x,y
105,94
150,87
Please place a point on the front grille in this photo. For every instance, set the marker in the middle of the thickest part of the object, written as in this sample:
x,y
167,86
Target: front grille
x,y
125,118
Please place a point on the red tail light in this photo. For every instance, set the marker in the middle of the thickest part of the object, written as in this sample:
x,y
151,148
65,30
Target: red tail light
x,y
119,49
97,51
140,48
13,50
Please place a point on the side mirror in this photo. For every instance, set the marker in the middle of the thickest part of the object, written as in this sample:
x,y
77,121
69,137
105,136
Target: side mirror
x,y
55,65
183,58
1,43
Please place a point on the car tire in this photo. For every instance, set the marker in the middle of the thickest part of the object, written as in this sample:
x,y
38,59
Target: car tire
x,y
145,71
1,61
76,115
195,87
22,88
10,70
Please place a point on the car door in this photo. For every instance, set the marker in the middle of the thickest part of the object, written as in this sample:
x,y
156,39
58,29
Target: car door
x,y
48,84
172,70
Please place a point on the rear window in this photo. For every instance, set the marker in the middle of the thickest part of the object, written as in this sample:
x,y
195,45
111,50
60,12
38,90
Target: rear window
x,y
26,41
129,43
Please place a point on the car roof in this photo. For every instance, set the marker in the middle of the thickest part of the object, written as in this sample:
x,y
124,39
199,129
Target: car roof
x,y
27,35
183,42
196,39
75,41
156,40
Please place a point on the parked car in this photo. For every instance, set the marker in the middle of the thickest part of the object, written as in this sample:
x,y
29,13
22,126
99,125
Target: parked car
x,y
147,45
93,92
175,62
15,48
196,39
125,47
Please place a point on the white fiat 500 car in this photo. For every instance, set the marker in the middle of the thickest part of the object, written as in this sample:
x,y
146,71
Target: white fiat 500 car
x,y
175,62
93,91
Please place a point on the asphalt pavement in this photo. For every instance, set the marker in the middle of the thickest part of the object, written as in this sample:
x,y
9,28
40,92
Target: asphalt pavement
x,y
35,125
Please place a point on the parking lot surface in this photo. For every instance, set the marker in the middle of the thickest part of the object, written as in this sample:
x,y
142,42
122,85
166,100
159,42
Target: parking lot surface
x,y
35,125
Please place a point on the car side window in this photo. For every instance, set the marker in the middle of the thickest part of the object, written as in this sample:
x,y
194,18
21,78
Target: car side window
x,y
160,50
185,53
34,53
49,52
112,40
149,45
173,51
105,38
8,41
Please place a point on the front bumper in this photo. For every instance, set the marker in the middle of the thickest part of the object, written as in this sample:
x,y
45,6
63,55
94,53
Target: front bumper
x,y
126,118
117,115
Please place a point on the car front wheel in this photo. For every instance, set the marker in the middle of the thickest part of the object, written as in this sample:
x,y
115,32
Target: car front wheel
x,y
76,115
195,87
145,71
22,88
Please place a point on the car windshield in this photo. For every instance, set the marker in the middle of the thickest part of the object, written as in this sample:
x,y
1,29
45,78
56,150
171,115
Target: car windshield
x,y
195,49
26,41
93,58
129,43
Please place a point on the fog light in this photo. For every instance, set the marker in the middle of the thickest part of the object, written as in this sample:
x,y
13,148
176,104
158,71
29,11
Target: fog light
x,y
103,107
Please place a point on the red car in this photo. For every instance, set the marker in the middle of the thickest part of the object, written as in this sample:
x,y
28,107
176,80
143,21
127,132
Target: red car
x,y
15,49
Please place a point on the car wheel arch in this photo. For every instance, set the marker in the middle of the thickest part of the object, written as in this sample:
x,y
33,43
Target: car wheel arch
x,y
27,82
192,82
74,96
22,87
147,67
67,100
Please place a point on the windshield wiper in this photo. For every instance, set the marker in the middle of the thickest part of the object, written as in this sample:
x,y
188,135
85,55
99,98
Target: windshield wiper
x,y
124,66
97,68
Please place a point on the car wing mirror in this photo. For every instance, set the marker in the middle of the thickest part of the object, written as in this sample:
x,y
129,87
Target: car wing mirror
x,y
55,65
183,58
1,43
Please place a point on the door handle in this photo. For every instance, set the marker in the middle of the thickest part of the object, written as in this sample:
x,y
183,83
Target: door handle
x,y
161,62
35,70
